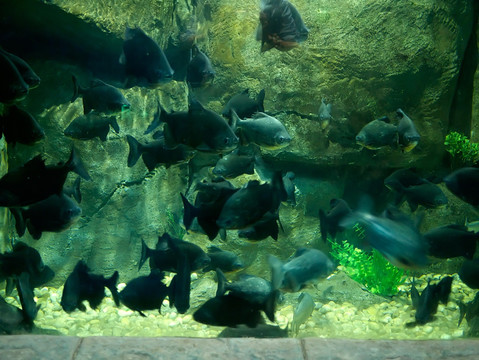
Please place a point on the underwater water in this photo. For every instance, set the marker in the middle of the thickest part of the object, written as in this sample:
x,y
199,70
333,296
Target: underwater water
x,y
143,91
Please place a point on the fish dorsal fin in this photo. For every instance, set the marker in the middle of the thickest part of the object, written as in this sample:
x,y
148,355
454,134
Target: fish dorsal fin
x,y
300,252
35,163
385,119
245,91
194,105
259,115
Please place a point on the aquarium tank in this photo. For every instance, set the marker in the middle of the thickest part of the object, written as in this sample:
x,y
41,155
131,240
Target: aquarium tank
x,y
262,168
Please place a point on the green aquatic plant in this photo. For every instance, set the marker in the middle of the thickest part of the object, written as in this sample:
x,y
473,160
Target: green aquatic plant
x,y
371,270
459,146
174,227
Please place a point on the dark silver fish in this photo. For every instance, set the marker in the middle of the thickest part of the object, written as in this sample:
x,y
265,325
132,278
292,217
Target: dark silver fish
x,y
464,183
20,126
302,312
324,114
408,135
12,87
244,105
27,73
378,133
199,71
90,126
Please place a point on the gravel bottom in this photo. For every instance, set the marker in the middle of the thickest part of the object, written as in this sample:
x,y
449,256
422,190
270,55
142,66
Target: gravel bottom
x,y
386,320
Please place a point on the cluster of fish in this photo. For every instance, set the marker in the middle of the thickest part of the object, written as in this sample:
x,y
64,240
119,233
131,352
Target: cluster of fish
x,y
24,269
381,132
253,209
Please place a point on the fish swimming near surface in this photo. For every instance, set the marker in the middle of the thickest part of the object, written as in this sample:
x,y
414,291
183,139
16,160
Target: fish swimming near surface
x,y
251,203
100,97
263,130
12,87
378,133
19,126
329,223
305,266
281,26
451,241
90,126
145,63
469,273
82,285
244,105
256,290
157,153
226,261
395,237
408,135
199,70
34,181
27,73
145,292
324,114
199,128
54,214
464,183
427,302
302,312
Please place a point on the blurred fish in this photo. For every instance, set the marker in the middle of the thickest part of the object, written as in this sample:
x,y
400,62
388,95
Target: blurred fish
x,y
226,261
101,97
378,133
25,293
199,71
199,128
209,203
262,130
426,303
324,114
18,125
12,87
290,188
145,63
90,126
469,273
82,285
396,238
330,223
228,310
464,183
281,26
179,53
145,293
450,241
157,153
243,105
469,310
234,164
263,228
427,194
257,291
405,178
305,266
302,312
34,181
54,214
250,203
166,256
12,318
27,73
408,135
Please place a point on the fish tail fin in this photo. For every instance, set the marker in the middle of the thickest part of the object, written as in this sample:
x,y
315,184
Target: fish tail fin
x,y
135,150
114,124
190,212
220,291
260,100
159,117
277,273
270,305
234,120
19,221
76,89
145,254
323,225
75,164
111,284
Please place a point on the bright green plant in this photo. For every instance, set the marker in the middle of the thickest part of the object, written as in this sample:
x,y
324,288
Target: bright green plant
x,y
459,146
372,270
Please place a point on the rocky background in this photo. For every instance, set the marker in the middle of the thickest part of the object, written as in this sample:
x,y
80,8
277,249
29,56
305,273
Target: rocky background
x,y
367,58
